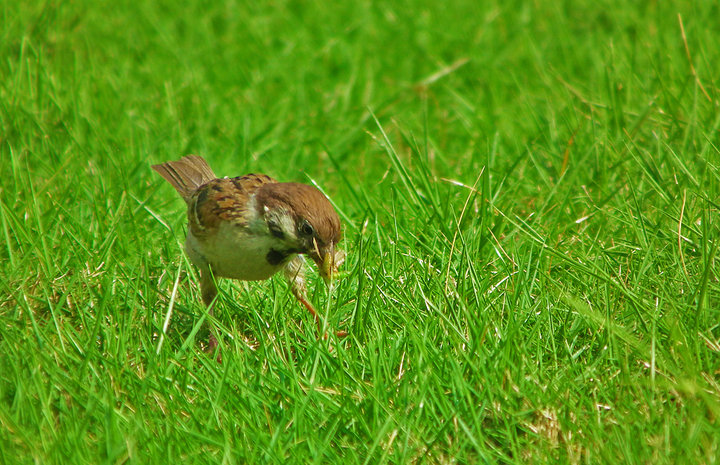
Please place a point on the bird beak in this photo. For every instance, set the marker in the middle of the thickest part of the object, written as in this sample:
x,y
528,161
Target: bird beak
x,y
328,262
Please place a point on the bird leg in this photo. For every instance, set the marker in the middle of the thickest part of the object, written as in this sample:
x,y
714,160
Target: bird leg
x,y
295,273
209,291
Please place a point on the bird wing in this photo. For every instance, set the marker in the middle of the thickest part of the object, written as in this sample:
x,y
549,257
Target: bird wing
x,y
226,199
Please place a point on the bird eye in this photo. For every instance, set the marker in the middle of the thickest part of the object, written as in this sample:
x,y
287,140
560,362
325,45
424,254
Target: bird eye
x,y
306,228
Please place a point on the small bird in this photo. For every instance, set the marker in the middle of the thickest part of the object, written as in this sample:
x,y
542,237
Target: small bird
x,y
250,227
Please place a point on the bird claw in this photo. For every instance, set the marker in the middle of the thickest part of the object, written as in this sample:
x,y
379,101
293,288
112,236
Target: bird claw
x,y
212,347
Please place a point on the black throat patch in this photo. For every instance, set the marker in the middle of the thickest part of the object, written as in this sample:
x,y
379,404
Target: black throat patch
x,y
278,257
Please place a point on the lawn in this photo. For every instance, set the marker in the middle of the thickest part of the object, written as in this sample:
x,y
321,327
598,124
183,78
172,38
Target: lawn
x,y
530,198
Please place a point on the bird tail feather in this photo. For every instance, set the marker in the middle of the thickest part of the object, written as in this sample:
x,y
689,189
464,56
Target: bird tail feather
x,y
186,174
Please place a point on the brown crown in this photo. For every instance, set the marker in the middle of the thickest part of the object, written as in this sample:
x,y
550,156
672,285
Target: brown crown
x,y
304,202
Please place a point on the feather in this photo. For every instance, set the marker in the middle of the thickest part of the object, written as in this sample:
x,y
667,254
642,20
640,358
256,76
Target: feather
x,y
186,175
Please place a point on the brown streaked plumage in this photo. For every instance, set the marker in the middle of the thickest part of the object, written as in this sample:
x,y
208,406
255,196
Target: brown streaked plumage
x,y
252,226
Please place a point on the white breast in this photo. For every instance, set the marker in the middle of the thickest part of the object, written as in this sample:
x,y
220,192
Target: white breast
x,y
232,253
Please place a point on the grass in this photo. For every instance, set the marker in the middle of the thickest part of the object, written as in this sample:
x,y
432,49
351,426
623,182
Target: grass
x,y
529,192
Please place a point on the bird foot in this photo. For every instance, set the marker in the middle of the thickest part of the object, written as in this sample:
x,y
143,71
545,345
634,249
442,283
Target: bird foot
x,y
212,347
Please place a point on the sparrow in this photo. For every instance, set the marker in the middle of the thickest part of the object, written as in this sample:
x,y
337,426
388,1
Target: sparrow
x,y
250,227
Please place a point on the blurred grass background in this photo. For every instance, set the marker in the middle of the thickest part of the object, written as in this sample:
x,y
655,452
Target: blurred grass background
x,y
529,192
